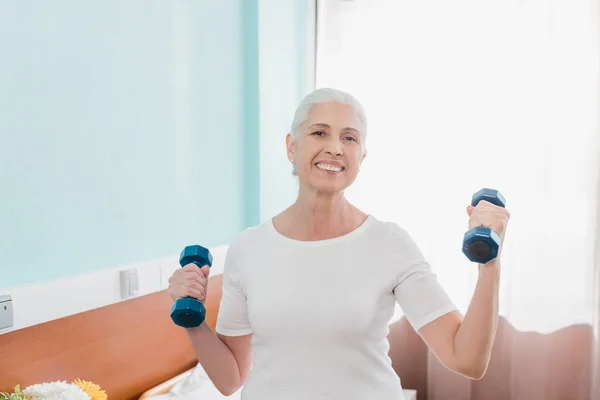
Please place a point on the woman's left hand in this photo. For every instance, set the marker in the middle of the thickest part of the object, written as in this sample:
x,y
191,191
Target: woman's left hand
x,y
491,216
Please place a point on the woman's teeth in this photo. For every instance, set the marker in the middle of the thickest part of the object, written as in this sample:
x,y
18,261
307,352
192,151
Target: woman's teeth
x,y
329,167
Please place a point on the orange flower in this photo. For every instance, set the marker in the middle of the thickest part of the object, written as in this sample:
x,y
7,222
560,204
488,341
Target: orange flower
x,y
91,389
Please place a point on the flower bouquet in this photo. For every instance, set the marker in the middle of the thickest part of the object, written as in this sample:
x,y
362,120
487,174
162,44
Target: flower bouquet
x,y
59,390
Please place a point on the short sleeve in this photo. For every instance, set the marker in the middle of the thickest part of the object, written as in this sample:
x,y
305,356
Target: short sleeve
x,y
232,319
417,290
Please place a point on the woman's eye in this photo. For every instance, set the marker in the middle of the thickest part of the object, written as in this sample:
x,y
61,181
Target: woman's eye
x,y
352,138
319,133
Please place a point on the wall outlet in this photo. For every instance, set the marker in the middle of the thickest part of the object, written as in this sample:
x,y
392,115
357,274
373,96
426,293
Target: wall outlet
x,y
6,312
129,283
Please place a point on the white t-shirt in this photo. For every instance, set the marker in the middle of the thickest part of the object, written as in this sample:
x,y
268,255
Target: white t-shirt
x,y
320,310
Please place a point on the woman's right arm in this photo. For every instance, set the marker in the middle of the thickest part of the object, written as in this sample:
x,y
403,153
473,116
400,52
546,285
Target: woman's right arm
x,y
226,359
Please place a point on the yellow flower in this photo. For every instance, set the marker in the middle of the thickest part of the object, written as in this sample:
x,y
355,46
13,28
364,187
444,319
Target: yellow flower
x,y
92,389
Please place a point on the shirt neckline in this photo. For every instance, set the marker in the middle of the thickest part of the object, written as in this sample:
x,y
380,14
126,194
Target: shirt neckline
x,y
313,243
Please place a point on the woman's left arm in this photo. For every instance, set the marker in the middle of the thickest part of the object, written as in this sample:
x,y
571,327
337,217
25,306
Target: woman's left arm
x,y
464,344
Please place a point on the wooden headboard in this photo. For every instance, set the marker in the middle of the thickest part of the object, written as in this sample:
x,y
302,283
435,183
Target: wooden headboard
x,y
125,348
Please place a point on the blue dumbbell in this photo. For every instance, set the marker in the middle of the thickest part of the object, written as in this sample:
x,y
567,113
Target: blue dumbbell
x,y
188,312
480,243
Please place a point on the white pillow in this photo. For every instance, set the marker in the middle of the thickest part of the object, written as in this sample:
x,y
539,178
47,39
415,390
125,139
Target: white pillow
x,y
196,386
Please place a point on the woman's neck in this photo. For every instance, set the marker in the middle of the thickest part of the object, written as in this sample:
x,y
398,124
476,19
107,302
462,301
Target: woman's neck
x,y
318,217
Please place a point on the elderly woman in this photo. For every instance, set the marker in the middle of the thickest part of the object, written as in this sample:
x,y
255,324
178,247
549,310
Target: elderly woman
x,y
308,295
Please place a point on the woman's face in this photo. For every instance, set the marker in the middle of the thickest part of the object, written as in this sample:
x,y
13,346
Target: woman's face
x,y
328,149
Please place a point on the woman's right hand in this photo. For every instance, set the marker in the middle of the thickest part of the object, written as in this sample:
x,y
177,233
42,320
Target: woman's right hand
x,y
189,281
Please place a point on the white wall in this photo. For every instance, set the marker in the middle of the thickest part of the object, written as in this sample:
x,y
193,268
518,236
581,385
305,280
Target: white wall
x,y
45,301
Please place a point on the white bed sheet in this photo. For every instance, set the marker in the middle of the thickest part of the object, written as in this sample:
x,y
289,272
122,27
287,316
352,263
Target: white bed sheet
x,y
197,386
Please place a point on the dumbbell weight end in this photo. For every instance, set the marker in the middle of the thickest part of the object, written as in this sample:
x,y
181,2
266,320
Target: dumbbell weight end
x,y
481,244
188,312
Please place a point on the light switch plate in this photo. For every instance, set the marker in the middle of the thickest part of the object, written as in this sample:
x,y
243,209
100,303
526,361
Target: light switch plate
x,y
6,312
129,283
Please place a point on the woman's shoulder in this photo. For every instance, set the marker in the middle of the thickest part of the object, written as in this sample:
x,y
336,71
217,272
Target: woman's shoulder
x,y
251,236
387,228
246,242
397,241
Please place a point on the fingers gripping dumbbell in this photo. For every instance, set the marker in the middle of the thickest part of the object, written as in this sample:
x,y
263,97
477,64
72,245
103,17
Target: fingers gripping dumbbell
x,y
188,312
481,244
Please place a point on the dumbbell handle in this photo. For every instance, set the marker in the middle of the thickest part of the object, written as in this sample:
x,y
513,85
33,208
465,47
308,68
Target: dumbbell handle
x,y
199,261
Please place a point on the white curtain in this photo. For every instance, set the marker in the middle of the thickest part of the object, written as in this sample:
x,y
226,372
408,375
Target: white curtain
x,y
467,94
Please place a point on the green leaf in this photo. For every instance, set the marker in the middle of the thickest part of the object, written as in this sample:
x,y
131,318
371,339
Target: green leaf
x,y
16,395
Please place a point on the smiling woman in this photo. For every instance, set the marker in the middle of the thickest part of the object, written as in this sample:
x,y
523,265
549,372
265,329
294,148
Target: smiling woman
x,y
326,338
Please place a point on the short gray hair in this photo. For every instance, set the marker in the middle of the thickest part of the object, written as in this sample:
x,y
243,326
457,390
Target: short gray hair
x,y
326,95
322,96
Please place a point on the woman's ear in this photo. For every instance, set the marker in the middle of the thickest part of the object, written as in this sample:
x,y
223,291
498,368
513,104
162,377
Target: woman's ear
x,y
362,159
291,147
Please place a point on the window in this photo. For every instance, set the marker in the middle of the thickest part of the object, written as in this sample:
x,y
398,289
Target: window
x,y
471,94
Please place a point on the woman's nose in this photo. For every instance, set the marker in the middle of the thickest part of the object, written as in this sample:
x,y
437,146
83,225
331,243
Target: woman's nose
x,y
334,146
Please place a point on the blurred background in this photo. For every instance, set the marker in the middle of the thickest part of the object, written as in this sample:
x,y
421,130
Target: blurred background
x,y
131,129
504,94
